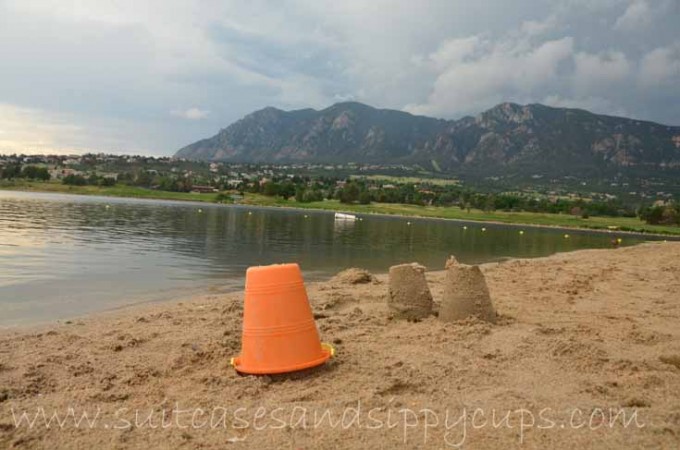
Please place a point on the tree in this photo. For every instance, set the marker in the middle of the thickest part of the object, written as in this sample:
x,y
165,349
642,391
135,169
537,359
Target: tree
x,y
35,173
106,181
365,198
299,194
143,178
74,180
224,198
287,190
349,193
11,171
271,189
666,215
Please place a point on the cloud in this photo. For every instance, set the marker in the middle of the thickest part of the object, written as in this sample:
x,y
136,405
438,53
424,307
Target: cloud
x,y
593,72
661,67
32,131
191,113
474,74
589,103
118,69
454,51
35,131
638,15
538,27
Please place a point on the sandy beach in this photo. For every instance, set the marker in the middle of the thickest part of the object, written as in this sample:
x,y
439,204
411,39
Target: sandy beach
x,y
585,354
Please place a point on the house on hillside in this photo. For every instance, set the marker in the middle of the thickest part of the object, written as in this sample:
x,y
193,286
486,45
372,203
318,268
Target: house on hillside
x,y
59,173
198,189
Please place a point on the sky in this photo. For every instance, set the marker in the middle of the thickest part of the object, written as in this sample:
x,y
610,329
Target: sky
x,y
149,77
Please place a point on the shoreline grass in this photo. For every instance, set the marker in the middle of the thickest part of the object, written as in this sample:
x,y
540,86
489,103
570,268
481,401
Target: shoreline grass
x,y
118,190
595,223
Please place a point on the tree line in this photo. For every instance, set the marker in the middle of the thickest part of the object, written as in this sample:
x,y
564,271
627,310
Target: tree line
x,y
363,192
12,171
306,189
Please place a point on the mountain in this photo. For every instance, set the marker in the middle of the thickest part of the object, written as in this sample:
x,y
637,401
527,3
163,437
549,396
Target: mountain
x,y
527,138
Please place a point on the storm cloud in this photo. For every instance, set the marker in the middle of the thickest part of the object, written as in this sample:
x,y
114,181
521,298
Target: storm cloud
x,y
150,77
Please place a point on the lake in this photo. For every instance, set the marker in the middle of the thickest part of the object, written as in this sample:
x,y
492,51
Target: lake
x,y
64,255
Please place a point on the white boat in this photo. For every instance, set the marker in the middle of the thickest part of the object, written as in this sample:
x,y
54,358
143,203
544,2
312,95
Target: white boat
x,y
343,216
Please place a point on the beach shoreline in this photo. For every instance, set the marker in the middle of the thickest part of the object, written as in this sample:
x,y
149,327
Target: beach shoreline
x,y
673,235
578,333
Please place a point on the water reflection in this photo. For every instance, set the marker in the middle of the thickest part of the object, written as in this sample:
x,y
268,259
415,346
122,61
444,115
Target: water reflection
x,y
66,255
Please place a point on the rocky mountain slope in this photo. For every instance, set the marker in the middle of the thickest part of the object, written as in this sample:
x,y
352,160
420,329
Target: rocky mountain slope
x,y
506,137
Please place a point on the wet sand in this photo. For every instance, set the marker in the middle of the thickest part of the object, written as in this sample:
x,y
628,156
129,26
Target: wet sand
x,y
585,354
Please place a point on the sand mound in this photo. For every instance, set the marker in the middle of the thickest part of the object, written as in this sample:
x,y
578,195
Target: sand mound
x,y
409,295
465,294
353,276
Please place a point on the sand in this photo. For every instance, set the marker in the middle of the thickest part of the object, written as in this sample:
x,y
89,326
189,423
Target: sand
x,y
580,338
466,294
409,295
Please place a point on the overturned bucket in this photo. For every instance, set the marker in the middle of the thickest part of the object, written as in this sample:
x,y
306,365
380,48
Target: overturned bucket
x,y
279,333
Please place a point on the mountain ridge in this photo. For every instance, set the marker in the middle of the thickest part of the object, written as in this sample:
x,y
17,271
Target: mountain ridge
x,y
508,136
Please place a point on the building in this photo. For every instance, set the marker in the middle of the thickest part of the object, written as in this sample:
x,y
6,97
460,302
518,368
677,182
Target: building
x,y
198,189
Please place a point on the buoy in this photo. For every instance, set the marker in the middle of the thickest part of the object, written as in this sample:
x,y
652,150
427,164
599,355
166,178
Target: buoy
x,y
408,223
619,240
465,227
566,236
306,216
483,229
250,213
521,231
108,206
200,210
279,333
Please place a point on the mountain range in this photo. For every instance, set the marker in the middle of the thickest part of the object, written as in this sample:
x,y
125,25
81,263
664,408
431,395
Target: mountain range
x,y
508,137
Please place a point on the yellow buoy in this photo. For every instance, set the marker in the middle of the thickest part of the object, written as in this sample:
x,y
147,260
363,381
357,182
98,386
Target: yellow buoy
x,y
465,227
108,206
619,240
408,223
521,231
483,229
200,210
566,236
306,216
250,213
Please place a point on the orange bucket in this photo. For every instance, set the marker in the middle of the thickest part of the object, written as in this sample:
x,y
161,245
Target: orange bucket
x,y
279,333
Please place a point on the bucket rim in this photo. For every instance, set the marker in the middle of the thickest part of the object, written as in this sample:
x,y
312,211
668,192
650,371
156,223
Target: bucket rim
x,y
326,350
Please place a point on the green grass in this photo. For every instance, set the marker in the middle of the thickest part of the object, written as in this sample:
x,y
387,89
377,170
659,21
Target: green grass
x,y
528,218
118,190
544,219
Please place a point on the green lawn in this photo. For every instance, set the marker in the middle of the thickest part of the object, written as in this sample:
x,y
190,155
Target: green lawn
x,y
113,191
557,220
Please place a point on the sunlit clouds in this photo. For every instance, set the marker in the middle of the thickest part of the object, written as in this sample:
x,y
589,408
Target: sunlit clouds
x,y
151,77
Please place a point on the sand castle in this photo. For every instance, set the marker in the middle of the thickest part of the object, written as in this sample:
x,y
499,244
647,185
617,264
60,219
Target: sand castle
x,y
465,294
409,296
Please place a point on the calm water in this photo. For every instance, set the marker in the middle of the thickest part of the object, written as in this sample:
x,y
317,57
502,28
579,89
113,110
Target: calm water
x,y
63,256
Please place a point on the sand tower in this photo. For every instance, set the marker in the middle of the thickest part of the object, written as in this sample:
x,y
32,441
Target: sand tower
x,y
465,294
409,296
